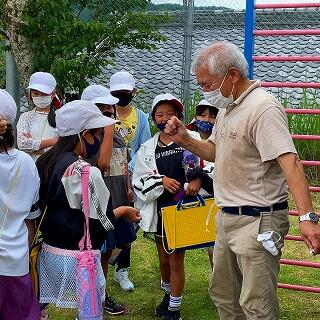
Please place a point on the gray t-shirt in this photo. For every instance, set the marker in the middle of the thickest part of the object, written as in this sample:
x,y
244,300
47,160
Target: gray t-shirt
x,y
249,136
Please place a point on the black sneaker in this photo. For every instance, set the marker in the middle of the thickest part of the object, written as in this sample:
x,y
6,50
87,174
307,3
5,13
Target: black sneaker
x,y
162,308
112,307
172,315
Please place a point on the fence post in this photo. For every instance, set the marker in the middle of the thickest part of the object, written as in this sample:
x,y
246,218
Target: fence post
x,y
249,39
187,50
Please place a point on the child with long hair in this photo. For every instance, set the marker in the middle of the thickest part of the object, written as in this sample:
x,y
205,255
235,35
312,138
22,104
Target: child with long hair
x,y
80,125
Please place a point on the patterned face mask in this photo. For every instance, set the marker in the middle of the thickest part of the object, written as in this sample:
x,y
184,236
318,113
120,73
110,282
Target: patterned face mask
x,y
204,126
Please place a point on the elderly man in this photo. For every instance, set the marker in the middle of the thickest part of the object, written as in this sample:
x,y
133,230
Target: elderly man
x,y
255,159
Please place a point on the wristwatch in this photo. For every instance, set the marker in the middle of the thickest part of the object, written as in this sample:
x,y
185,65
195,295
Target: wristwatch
x,y
310,216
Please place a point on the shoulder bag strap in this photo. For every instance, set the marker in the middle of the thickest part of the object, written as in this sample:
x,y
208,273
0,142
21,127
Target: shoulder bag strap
x,y
14,182
36,235
86,240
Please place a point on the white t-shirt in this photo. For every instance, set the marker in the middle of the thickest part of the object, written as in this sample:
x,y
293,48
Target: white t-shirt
x,y
14,248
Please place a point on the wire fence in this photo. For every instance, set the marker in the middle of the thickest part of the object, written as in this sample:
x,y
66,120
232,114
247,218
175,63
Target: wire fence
x,y
190,24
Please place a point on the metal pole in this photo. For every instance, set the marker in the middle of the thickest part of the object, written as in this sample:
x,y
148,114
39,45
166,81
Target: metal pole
x,y
187,49
249,39
12,80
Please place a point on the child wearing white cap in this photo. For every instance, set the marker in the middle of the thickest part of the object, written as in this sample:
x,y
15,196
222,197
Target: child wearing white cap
x,y
158,177
135,130
36,129
80,126
17,171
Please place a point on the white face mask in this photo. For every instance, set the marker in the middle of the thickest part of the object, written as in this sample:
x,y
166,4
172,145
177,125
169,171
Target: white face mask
x,y
216,98
42,102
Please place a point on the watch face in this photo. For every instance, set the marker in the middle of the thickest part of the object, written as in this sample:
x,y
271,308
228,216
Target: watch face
x,y
313,217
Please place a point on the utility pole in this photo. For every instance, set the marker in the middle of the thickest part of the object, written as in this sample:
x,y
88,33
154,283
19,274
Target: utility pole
x,y
187,50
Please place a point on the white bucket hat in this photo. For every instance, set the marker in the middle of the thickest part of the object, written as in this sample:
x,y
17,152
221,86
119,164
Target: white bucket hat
x,y
122,80
8,107
98,94
79,115
167,97
43,82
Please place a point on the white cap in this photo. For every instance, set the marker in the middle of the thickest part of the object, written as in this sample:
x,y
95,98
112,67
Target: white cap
x,y
204,102
167,97
98,94
8,107
79,115
43,82
122,80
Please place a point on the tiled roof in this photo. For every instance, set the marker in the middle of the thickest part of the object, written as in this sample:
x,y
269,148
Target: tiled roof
x,y
160,71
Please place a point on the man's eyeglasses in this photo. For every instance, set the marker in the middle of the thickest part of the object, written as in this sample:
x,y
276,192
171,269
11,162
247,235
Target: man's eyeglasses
x,y
206,84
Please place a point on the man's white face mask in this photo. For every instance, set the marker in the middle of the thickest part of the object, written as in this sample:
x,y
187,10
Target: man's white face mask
x,y
216,98
42,102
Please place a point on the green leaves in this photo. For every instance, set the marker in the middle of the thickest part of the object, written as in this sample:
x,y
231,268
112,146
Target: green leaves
x,y
76,39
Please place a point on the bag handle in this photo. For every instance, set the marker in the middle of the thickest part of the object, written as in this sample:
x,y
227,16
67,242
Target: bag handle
x,y
86,240
199,203
14,181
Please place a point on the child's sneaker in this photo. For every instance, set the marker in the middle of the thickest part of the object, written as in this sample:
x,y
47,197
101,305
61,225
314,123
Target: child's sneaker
x,y
172,315
111,307
122,278
162,308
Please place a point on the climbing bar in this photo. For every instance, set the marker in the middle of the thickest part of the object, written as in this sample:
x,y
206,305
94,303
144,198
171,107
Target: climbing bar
x,y
305,137
294,238
300,263
276,84
287,32
287,5
298,287
286,58
310,163
303,111
314,189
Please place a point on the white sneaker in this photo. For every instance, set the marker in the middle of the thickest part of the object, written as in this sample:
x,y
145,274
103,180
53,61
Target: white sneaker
x,y
122,278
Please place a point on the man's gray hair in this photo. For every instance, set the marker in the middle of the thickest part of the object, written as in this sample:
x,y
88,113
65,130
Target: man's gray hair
x,y
218,57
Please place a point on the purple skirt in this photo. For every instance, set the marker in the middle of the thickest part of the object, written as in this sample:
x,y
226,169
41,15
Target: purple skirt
x,y
17,299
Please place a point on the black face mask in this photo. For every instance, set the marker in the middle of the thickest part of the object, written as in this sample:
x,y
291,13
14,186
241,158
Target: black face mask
x,y
109,114
92,149
124,98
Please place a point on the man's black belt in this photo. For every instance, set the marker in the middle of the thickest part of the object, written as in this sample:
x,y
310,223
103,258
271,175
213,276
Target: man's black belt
x,y
255,211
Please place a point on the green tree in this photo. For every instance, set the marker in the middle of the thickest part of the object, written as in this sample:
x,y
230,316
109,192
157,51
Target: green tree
x,y
76,39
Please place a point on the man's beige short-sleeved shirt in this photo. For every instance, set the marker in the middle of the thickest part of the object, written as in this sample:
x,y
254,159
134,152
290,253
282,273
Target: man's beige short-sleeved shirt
x,y
249,135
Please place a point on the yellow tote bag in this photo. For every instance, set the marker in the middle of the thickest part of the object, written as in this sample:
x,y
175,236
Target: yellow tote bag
x,y
189,224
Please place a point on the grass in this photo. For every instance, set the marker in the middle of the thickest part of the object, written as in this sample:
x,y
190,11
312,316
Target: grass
x,y
196,303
